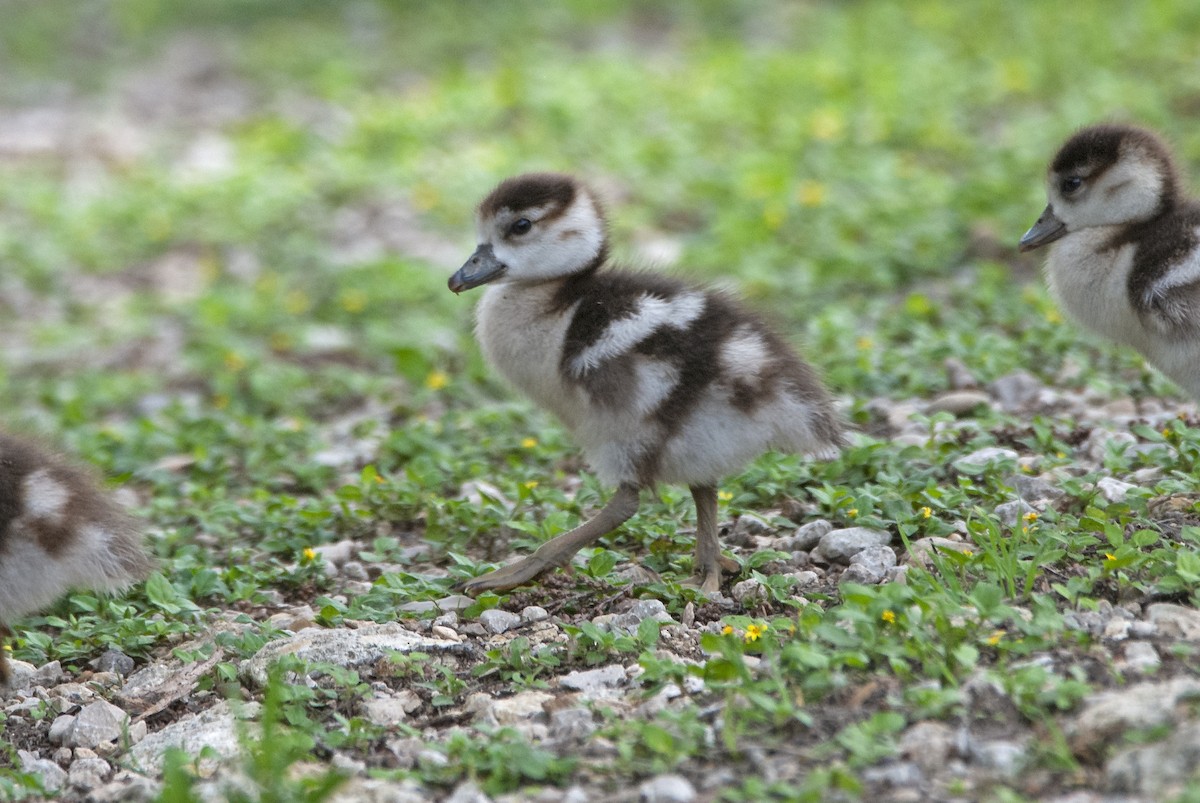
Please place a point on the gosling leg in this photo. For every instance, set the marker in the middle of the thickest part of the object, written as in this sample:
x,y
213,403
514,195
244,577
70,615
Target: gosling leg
x,y
558,551
709,560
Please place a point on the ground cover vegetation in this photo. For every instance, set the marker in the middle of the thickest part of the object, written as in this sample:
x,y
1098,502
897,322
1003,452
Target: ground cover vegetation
x,y
225,232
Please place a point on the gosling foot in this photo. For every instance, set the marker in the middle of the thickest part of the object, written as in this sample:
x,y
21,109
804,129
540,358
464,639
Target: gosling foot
x,y
520,573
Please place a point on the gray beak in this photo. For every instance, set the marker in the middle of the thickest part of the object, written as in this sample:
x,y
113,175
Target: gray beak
x,y
481,268
1047,229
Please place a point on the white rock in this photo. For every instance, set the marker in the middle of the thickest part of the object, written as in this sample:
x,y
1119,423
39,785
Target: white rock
x,y
497,621
667,789
376,790
60,729
809,535
749,592
1153,770
145,686
1011,513
1114,490
384,711
97,723
213,728
920,551
1101,441
526,705
533,613
443,632
344,647
838,546
22,675
455,602
1109,714
409,699
337,553
981,459
805,578
595,682
1141,656
1175,621
751,524
874,562
53,776
572,724
1003,758
467,792
958,402
50,674
928,744
88,773
1013,391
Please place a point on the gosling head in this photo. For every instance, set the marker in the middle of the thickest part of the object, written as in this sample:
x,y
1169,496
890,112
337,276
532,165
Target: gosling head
x,y
1105,175
533,228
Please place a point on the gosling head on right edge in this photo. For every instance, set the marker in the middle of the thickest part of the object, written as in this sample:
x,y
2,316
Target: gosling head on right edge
x,y
1124,243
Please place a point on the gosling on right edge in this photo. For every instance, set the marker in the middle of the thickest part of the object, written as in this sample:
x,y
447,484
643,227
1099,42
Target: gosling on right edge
x,y
1124,243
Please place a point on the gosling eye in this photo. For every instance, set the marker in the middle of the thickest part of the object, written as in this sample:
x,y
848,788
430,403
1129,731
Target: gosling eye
x,y
520,226
1071,184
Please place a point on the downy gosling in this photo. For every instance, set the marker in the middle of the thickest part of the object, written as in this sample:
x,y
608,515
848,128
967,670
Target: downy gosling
x,y
59,530
657,380
1126,256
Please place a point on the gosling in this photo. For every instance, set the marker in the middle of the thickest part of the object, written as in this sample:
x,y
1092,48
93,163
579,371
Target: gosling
x,y
1126,256
657,380
58,530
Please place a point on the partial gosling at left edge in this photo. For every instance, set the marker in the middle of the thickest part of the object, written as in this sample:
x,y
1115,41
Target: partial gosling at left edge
x,y
59,529
658,381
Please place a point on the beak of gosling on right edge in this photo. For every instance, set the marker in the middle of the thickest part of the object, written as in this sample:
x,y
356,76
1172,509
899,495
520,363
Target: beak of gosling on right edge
x,y
1046,230
481,268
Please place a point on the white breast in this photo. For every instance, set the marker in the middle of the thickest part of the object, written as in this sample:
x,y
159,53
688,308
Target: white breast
x,y
523,340
1091,283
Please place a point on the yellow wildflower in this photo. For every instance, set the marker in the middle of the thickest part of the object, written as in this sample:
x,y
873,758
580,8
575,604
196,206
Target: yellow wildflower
x,y
310,553
296,302
926,512
437,380
726,630
810,193
234,361
753,632
994,639
1109,556
530,485
354,300
827,124
888,616
724,496
529,443
852,512
864,343
1031,516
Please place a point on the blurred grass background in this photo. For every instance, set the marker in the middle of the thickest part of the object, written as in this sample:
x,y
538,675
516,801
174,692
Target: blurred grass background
x,y
256,204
